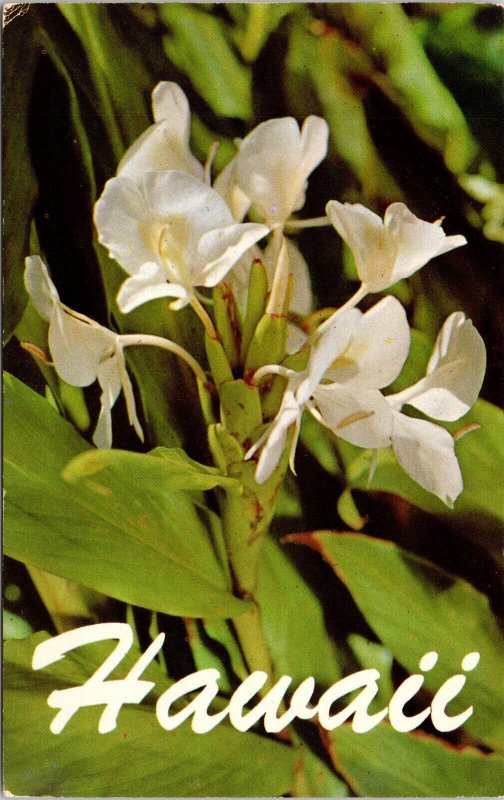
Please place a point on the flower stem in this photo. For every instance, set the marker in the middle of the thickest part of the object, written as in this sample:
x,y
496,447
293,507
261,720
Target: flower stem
x,y
314,222
359,295
204,317
134,339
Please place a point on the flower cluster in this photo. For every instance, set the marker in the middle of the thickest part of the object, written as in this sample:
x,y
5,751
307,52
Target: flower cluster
x,y
176,235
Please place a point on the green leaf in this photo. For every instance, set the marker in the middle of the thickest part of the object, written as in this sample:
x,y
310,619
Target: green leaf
x,y
121,534
261,20
14,626
316,779
385,763
170,467
198,44
431,610
120,77
139,758
21,52
293,620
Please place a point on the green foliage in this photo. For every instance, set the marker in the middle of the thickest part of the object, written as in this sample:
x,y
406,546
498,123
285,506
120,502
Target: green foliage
x,y
135,758
122,534
385,763
430,610
412,97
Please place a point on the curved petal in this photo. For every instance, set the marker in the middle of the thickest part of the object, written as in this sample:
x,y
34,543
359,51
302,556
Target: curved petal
x,y
77,348
148,284
314,140
110,382
219,249
277,438
378,348
364,232
330,344
227,187
426,452
414,241
40,287
164,145
122,218
455,371
364,419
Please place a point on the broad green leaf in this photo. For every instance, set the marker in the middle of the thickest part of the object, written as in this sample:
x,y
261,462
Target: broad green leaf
x,y
20,56
431,610
119,534
198,44
168,467
293,620
139,758
481,456
316,779
385,763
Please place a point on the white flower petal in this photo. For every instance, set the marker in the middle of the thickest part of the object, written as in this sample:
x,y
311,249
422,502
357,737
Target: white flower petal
x,y
387,251
378,348
226,185
40,287
124,220
219,249
330,344
77,348
426,452
164,145
148,284
314,141
273,164
362,418
277,438
363,231
455,371
413,242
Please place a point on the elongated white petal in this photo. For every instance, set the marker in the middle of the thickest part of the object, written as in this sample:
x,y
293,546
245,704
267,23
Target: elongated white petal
x,y
219,249
123,221
128,390
40,287
164,145
455,371
314,141
363,418
426,452
148,284
77,348
277,438
378,348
